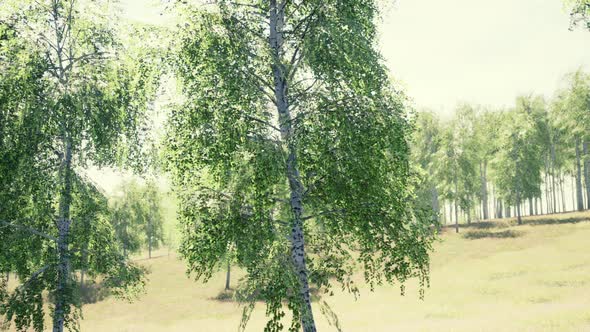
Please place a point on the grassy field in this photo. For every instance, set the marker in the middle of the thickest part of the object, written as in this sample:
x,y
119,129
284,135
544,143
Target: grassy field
x,y
492,276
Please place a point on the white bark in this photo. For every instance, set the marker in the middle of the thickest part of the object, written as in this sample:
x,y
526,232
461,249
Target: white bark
x,y
277,15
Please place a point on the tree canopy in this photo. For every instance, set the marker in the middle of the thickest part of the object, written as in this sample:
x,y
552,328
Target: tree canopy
x,y
70,96
291,144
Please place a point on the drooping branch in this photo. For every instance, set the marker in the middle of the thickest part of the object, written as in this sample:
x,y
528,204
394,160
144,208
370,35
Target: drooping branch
x,y
29,229
34,276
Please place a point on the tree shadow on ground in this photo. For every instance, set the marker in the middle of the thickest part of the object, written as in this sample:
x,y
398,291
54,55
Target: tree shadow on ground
x,y
480,225
232,295
474,235
226,295
549,219
553,221
93,293
486,225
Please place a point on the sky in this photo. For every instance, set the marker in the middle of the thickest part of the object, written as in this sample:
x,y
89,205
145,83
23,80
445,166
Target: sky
x,y
442,53
484,52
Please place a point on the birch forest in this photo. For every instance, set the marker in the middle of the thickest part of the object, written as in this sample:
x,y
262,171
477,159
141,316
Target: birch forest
x,y
294,165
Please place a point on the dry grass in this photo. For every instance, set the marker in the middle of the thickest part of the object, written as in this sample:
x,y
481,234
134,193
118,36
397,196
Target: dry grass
x,y
534,277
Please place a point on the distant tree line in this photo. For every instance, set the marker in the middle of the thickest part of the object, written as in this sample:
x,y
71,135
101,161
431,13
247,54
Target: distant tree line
x,y
530,159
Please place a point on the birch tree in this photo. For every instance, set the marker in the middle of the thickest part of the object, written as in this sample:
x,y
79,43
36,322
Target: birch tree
x,y
86,107
519,160
426,143
571,111
293,96
487,132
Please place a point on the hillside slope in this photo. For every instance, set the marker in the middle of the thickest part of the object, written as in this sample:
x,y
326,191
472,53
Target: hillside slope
x,y
492,276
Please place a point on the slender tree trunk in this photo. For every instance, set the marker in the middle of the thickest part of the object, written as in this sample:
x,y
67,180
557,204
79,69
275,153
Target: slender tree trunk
x,y
518,208
573,192
587,172
84,258
63,226
561,183
484,189
584,193
456,209
435,201
495,202
547,196
553,191
228,274
500,209
276,25
149,238
541,202
580,199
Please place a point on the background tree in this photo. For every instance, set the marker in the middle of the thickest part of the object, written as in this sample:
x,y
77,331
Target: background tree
x,y
294,96
571,115
425,145
137,217
487,130
91,98
456,163
124,218
519,159
153,219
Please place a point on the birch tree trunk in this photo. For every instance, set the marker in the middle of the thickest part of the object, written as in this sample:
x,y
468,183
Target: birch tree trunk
x,y
586,160
573,193
494,202
435,201
150,238
580,199
518,208
553,191
84,259
63,226
277,18
484,190
228,275
456,209
562,191
548,205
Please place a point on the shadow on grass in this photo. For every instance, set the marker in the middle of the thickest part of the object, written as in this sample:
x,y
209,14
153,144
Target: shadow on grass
x,y
486,225
231,295
474,235
554,221
226,295
93,293
548,219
